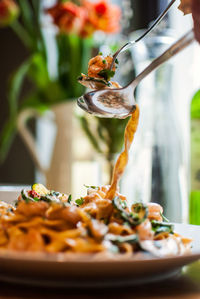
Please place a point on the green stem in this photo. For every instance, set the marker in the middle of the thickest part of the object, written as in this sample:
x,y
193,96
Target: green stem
x,y
110,159
21,33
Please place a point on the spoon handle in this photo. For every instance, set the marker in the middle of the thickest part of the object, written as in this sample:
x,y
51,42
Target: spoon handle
x,y
178,46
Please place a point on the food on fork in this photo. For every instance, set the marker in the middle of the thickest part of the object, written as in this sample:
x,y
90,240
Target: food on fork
x,y
99,73
52,222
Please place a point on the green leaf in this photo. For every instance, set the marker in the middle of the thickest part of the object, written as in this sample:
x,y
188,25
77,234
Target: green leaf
x,y
164,218
27,15
53,93
131,239
111,132
15,86
91,187
86,128
25,196
36,198
160,227
79,201
38,71
33,100
22,34
73,55
69,198
6,138
134,218
106,74
195,105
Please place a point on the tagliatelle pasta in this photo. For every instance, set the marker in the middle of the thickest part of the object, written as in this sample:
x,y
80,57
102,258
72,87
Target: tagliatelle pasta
x,y
52,222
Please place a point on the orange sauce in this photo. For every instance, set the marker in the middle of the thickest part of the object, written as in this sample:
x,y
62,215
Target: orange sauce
x,y
123,157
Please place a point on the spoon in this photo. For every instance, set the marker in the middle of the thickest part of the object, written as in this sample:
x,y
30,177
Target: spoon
x,y
129,44
120,102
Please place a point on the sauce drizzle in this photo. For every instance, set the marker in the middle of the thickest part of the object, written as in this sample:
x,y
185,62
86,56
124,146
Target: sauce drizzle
x,y
123,157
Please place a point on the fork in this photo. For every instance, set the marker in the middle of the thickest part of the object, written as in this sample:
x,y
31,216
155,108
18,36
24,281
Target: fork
x,y
131,43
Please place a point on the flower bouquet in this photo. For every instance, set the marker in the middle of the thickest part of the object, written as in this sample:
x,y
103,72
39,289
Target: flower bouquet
x,y
73,24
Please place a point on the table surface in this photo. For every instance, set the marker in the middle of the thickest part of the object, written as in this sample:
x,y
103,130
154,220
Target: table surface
x,y
187,285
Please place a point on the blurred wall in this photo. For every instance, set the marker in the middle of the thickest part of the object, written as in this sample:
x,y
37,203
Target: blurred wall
x,y
18,167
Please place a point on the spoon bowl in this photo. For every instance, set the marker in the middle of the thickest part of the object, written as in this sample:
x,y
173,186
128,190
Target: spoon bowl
x,y
110,103
120,102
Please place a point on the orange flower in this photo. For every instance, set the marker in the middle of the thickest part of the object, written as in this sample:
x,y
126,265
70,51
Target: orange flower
x,y
68,16
87,29
104,16
83,20
9,11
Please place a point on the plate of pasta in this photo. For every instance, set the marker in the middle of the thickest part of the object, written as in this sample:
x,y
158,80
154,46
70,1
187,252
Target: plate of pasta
x,y
49,237
98,240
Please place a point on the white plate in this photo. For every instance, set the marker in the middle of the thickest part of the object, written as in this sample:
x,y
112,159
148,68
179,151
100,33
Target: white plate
x,y
63,270
77,271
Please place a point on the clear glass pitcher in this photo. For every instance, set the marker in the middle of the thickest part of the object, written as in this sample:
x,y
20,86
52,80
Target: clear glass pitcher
x,y
156,169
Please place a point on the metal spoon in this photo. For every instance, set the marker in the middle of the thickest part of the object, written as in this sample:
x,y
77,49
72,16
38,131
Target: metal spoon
x,y
120,102
129,44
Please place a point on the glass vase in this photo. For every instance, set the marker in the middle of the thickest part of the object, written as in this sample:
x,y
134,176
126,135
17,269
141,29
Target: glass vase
x,y
157,170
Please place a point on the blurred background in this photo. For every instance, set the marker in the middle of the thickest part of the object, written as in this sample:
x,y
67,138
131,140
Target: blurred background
x,y
159,162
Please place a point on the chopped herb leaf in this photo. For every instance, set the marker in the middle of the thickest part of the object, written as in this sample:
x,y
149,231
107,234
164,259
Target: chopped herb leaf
x,y
121,239
69,198
132,218
90,187
163,217
100,53
55,193
104,61
36,198
123,204
98,81
106,74
160,227
116,61
79,201
25,196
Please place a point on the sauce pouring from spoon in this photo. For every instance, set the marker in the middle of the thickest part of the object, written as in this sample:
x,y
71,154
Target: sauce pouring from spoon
x,y
120,103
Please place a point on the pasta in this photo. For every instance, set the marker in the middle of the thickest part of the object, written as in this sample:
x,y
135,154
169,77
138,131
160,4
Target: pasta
x,y
51,222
